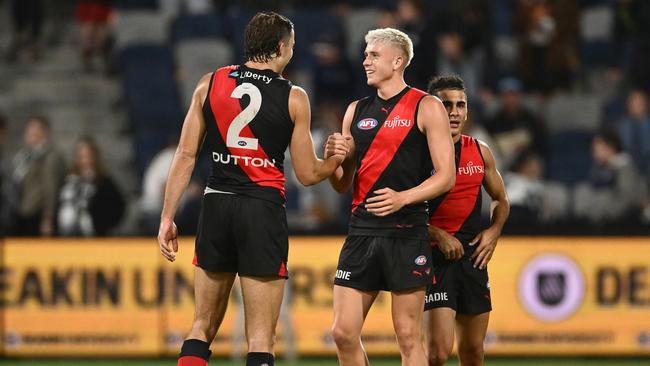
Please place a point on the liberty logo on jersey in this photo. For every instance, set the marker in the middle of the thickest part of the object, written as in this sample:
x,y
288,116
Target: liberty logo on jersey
x,y
397,122
470,169
367,124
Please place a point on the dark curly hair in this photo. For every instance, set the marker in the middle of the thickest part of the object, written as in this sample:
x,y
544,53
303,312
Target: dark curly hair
x,y
263,33
439,83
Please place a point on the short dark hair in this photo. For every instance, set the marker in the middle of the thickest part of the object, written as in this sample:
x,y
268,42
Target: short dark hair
x,y
442,82
263,33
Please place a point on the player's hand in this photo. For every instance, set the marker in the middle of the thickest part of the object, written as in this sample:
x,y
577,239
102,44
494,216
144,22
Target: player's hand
x,y
337,146
168,239
450,247
487,242
385,202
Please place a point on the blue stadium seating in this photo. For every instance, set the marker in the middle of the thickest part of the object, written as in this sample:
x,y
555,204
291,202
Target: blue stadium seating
x,y
136,4
569,156
151,98
199,26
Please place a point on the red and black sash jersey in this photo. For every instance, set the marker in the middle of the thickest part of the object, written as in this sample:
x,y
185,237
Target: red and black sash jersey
x,y
248,129
458,212
391,152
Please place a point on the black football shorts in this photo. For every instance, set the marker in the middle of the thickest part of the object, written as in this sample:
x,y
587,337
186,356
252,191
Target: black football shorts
x,y
374,263
242,234
459,286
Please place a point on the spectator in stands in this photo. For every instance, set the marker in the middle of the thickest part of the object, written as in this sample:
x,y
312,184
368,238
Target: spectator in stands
x,y
634,129
633,39
93,17
27,20
525,189
153,191
514,127
548,30
90,204
36,177
614,191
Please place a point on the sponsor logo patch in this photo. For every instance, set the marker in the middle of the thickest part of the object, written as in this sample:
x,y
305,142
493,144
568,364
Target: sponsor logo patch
x,y
367,124
421,260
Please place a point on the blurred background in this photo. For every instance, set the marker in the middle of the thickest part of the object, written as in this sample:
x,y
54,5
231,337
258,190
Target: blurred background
x,y
93,95
557,88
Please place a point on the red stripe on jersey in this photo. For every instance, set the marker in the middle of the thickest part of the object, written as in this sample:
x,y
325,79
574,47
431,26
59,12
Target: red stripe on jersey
x,y
460,201
226,109
385,144
195,261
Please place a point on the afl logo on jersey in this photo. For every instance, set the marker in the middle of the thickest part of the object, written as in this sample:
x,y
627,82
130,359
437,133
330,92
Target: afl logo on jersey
x,y
421,260
367,124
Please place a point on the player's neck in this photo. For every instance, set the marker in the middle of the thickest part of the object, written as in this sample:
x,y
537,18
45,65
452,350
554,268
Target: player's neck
x,y
456,138
271,65
391,87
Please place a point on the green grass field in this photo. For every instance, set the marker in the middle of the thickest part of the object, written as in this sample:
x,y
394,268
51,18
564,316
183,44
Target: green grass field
x,y
332,362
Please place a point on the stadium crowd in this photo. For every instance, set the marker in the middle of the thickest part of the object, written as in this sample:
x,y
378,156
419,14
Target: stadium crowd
x,y
559,89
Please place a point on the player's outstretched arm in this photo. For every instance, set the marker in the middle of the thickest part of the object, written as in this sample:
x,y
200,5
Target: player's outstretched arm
x,y
308,167
434,123
493,183
341,180
180,171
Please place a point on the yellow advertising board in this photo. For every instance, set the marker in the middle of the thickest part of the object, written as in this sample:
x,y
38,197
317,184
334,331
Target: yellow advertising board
x,y
551,296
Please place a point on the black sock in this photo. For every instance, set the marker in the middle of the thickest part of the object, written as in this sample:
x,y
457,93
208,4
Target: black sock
x,y
259,359
196,348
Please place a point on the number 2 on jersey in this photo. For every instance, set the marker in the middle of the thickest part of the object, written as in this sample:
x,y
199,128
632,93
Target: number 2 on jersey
x,y
233,137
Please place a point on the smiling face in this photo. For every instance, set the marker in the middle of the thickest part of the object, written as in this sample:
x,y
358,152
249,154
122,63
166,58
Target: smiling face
x,y
381,60
455,101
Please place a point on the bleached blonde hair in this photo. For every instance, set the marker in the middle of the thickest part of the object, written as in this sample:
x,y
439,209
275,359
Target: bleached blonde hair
x,y
395,37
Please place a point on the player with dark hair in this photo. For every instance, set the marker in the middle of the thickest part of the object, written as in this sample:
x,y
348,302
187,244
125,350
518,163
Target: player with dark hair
x,y
394,135
248,115
459,294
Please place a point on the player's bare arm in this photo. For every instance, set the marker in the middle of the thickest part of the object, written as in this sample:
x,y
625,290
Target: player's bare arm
x,y
434,123
493,183
448,244
189,145
341,180
308,167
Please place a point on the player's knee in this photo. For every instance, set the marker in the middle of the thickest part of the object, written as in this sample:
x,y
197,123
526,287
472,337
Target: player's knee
x,y
471,354
344,337
408,336
438,356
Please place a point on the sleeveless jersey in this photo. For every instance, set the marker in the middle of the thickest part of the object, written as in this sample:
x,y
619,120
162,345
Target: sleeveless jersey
x,y
390,152
248,129
458,212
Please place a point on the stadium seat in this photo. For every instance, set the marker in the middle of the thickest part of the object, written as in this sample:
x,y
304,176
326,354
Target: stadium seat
x,y
196,57
139,26
151,98
136,4
357,23
195,26
569,157
573,112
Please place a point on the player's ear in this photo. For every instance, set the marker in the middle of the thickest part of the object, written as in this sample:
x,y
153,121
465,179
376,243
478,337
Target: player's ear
x,y
398,62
